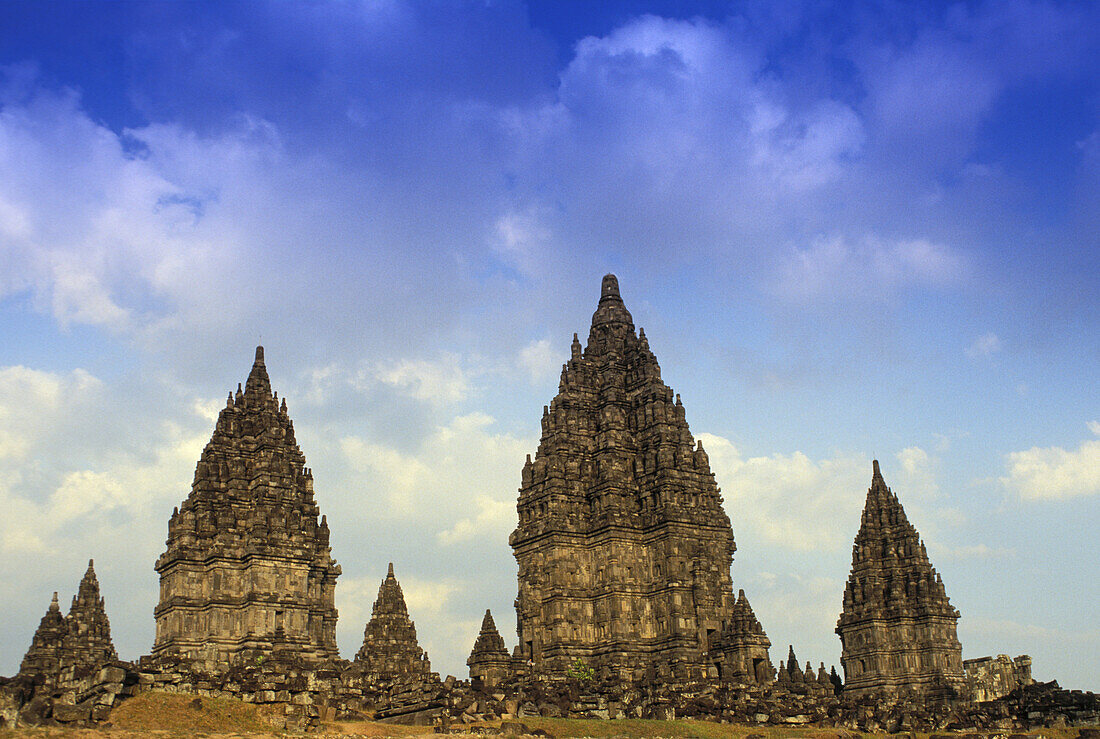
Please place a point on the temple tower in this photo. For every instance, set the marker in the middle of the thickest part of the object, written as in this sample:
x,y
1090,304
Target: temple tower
x,y
66,648
897,628
248,566
390,649
88,642
44,655
489,661
624,550
740,653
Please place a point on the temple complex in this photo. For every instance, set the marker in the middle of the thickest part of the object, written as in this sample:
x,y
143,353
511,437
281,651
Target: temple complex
x,y
624,550
489,661
72,644
390,649
247,566
897,629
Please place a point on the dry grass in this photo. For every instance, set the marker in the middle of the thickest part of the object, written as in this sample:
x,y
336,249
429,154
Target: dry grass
x,y
175,716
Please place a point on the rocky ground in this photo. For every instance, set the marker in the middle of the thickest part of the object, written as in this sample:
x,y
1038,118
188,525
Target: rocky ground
x,y
175,716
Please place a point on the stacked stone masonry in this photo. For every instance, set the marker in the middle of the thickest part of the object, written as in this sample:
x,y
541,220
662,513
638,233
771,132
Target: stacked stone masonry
x,y
989,678
69,647
489,661
247,564
897,628
623,547
390,649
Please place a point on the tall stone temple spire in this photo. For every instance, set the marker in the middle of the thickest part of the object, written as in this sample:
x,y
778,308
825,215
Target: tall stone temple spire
x,y
44,655
390,649
624,550
89,640
897,629
248,564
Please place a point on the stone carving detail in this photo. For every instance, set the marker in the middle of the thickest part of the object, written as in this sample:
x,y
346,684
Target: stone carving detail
x,y
489,660
897,629
624,550
390,649
247,567
73,644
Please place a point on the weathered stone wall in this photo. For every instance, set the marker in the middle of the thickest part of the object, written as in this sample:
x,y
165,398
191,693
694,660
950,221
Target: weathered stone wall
x,y
988,678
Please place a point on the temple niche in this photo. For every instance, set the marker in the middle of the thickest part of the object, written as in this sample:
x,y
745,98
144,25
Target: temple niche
x,y
897,629
623,548
247,567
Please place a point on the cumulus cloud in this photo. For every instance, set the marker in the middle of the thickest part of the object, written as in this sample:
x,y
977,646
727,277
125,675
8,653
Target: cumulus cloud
x,y
539,360
449,471
1055,473
440,382
836,268
984,346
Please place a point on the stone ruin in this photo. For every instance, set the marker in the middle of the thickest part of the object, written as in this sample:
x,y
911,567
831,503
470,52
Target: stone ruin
x,y
489,661
624,556
989,678
897,629
65,648
247,567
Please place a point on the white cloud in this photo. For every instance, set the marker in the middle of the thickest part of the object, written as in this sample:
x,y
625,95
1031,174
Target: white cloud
x,y
539,360
520,239
492,515
984,346
438,382
449,471
869,270
758,492
1054,473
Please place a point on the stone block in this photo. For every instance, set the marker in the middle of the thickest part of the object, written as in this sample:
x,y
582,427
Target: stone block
x,y
65,713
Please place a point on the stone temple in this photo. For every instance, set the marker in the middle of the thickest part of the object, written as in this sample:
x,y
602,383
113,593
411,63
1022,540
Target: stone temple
x,y
68,647
247,565
624,550
897,629
390,649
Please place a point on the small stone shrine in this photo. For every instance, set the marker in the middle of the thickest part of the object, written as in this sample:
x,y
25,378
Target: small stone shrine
x,y
489,661
247,568
740,652
390,649
75,644
897,629
624,550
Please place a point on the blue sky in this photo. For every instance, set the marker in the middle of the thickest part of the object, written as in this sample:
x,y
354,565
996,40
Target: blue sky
x,y
848,233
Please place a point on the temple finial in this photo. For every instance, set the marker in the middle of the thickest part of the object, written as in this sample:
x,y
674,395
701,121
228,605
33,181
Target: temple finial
x,y
610,288
389,572
259,354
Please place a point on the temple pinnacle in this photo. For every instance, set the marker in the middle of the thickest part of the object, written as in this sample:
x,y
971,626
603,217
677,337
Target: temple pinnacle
x,y
609,290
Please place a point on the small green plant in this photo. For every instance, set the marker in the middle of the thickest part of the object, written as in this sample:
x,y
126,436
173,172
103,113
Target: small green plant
x,y
580,671
260,659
